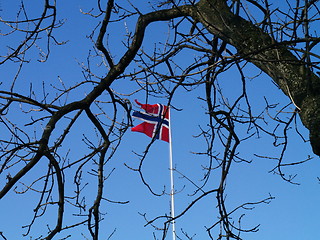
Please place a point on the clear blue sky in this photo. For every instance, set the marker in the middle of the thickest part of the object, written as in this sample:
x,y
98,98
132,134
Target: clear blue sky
x,y
293,214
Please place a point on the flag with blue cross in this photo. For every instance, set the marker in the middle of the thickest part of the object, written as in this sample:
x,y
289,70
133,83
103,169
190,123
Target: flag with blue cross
x,y
155,121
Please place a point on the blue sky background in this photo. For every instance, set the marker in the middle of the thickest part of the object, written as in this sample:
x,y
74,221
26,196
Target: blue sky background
x,y
293,214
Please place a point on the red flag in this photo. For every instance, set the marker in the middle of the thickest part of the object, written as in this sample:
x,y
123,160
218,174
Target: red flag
x,y
156,121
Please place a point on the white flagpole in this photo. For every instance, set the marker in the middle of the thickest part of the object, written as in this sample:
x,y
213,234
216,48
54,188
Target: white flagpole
x,y
171,180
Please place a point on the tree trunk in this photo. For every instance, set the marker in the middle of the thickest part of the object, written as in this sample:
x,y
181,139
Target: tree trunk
x,y
291,74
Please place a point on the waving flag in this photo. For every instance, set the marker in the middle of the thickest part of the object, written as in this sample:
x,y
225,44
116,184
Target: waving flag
x,y
155,121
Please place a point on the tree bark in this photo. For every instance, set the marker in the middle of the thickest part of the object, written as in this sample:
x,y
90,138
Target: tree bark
x,y
291,74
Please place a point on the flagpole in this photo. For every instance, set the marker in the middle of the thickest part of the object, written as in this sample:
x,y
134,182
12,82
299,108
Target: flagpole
x,y
171,180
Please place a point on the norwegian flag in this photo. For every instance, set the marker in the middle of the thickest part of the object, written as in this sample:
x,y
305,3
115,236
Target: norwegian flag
x,y
155,121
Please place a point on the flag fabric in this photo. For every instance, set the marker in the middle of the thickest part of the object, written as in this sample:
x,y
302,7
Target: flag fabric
x,y
155,121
